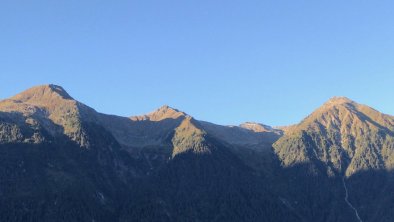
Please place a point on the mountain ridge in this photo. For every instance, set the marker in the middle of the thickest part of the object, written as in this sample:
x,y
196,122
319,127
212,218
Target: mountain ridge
x,y
168,166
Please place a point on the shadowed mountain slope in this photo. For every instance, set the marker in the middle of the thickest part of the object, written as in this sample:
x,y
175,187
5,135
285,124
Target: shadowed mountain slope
x,y
60,160
63,161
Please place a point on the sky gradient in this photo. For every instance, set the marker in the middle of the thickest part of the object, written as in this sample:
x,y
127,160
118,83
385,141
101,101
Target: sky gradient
x,y
221,61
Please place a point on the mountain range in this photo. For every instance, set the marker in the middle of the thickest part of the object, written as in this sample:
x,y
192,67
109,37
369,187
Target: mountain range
x,y
61,160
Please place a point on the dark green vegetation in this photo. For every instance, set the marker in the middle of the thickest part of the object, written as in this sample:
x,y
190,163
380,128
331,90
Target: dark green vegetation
x,y
63,161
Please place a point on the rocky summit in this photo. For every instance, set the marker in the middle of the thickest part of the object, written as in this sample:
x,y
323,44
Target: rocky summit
x,y
61,160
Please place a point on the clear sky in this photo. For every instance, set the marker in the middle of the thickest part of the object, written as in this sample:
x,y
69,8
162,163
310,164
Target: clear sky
x,y
222,61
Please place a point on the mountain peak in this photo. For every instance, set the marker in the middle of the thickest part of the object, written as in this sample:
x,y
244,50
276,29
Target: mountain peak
x,y
337,100
332,111
167,108
189,137
340,131
43,93
59,90
52,102
164,112
256,127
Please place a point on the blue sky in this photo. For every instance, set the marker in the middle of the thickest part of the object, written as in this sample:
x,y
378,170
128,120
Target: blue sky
x,y
222,61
